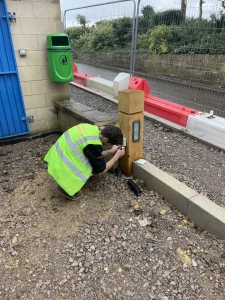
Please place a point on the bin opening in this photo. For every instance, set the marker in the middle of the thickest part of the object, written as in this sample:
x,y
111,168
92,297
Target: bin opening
x,y
60,41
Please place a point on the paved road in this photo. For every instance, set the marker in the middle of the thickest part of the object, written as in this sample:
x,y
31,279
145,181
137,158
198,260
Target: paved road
x,y
193,96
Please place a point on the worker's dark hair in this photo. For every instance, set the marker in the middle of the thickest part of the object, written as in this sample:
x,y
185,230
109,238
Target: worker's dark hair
x,y
113,134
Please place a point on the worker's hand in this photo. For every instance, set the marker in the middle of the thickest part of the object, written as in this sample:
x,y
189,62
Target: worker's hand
x,y
120,152
114,149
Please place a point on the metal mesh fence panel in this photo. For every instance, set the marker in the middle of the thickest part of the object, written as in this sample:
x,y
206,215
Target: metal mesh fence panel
x,y
181,42
180,46
102,34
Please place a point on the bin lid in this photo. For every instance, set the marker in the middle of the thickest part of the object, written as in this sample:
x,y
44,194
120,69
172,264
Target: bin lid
x,y
57,40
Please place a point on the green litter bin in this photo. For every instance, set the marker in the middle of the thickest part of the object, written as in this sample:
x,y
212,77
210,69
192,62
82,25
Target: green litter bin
x,y
59,58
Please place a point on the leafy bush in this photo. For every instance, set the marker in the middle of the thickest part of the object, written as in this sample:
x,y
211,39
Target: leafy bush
x,y
199,36
102,36
98,38
156,41
163,32
122,29
168,17
150,19
75,32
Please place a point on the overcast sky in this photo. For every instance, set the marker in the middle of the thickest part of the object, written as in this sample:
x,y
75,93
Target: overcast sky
x,y
125,9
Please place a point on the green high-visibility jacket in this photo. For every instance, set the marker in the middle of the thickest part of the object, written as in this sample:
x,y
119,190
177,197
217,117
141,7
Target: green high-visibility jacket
x,y
67,163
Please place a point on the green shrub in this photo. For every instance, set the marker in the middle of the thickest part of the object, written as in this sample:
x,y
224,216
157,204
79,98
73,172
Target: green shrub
x,y
156,41
158,33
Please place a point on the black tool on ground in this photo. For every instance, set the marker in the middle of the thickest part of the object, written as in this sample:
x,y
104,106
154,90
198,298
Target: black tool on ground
x,y
133,186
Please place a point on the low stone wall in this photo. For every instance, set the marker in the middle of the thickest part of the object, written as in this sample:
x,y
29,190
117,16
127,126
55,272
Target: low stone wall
x,y
196,68
71,113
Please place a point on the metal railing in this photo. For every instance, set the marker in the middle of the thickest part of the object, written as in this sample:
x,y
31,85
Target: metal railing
x,y
179,48
106,18
183,44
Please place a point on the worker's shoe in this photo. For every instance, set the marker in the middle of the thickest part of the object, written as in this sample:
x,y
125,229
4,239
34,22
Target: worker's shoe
x,y
77,196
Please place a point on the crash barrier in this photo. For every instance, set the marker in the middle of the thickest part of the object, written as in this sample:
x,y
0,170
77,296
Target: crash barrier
x,y
168,110
206,125
79,78
121,82
139,84
100,84
162,108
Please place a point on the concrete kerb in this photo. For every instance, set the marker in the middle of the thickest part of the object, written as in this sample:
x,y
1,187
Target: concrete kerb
x,y
199,209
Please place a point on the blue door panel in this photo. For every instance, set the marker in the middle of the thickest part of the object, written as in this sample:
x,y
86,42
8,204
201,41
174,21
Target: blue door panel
x,y
8,57
13,121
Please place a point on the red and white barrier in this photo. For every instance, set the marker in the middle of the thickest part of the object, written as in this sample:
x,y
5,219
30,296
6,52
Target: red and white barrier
x,y
205,125
78,77
167,110
208,125
139,84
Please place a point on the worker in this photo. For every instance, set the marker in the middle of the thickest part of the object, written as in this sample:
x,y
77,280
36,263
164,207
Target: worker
x,y
78,154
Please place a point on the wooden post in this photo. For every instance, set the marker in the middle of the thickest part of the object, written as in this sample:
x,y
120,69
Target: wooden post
x,y
131,117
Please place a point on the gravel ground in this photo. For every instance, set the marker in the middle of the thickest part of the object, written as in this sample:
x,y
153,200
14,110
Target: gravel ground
x,y
101,246
199,166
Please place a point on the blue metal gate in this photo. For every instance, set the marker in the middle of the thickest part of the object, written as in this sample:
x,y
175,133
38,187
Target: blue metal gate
x,y
13,121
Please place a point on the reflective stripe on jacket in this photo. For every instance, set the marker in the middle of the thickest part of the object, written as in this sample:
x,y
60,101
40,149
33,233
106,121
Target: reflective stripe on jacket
x,y
67,163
